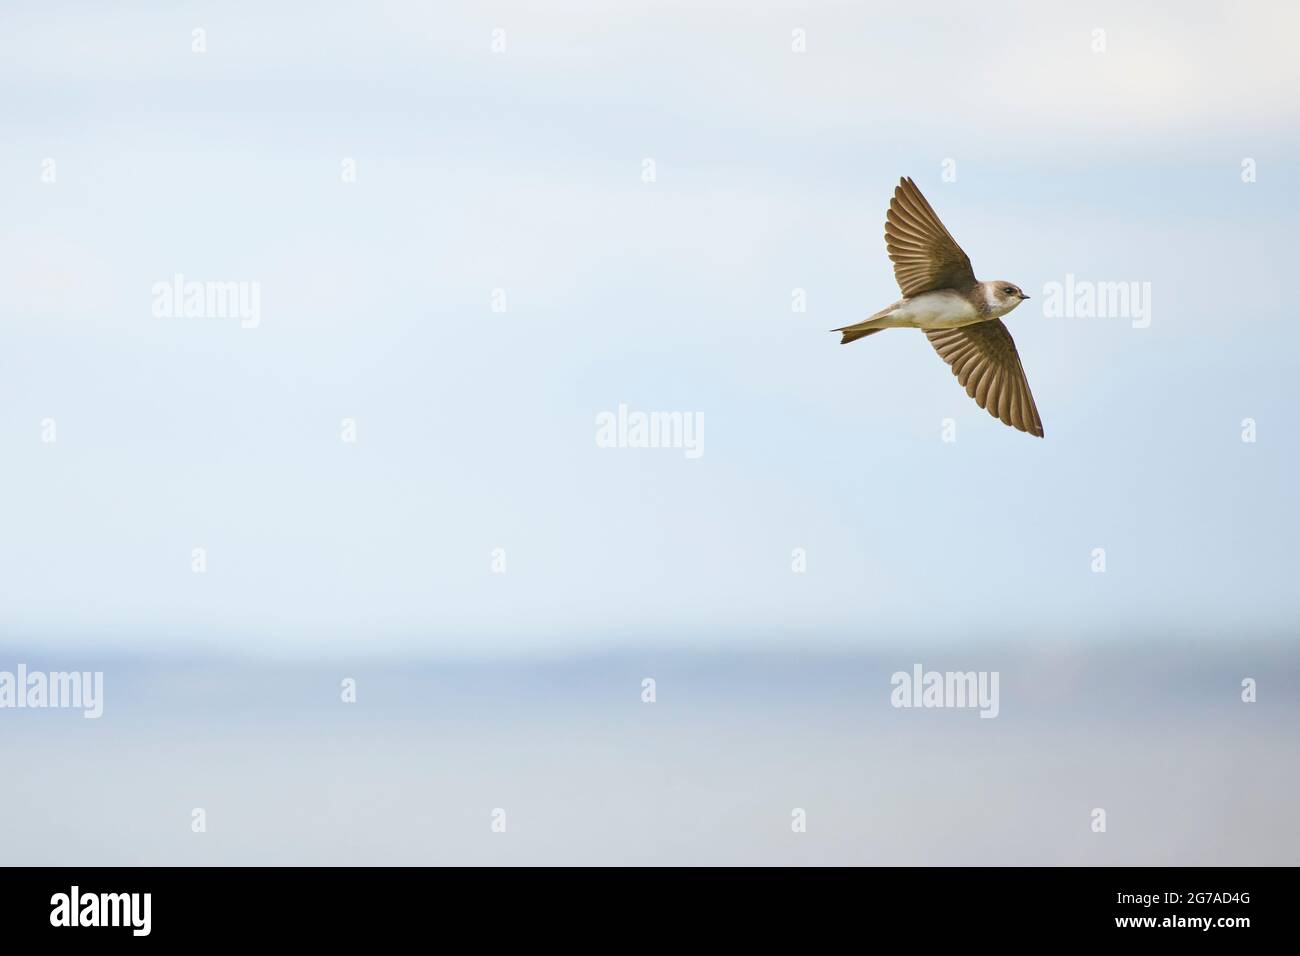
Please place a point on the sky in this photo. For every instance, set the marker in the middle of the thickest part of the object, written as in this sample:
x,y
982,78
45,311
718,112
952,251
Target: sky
x,y
521,174
472,230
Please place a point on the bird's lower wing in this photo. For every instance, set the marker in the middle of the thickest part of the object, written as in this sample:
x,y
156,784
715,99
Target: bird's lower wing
x,y
985,361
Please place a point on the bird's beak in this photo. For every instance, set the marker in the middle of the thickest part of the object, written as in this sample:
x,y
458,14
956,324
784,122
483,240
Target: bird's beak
x,y
1023,296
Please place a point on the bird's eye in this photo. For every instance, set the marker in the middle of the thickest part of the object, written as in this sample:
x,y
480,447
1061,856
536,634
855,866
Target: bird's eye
x,y
1009,291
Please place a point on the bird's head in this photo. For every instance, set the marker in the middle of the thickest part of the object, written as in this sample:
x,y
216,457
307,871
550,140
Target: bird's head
x,y
1003,296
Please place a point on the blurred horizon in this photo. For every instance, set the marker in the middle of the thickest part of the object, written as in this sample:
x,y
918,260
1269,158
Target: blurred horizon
x,y
710,773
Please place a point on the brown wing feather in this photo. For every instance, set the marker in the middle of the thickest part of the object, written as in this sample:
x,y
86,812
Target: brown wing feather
x,y
925,255
986,363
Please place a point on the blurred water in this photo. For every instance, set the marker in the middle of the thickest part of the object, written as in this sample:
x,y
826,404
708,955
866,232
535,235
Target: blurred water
x,y
709,773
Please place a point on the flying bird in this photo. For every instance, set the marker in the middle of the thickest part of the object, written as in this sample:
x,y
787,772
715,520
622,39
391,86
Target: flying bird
x,y
960,315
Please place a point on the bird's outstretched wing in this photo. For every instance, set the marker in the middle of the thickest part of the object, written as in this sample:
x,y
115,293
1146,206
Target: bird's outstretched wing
x,y
985,361
925,255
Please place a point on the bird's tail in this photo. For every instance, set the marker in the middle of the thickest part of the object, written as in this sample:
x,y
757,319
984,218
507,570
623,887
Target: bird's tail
x,y
852,335
876,323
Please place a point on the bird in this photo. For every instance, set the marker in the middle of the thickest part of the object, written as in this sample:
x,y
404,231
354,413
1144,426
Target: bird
x,y
960,315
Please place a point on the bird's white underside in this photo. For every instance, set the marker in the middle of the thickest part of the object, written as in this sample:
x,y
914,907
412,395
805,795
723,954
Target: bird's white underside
x,y
938,310
932,310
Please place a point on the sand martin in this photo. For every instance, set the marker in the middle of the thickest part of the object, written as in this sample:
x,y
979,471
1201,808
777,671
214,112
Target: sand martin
x,y
960,315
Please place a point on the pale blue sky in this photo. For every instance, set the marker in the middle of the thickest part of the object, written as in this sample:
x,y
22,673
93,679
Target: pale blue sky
x,y
522,171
